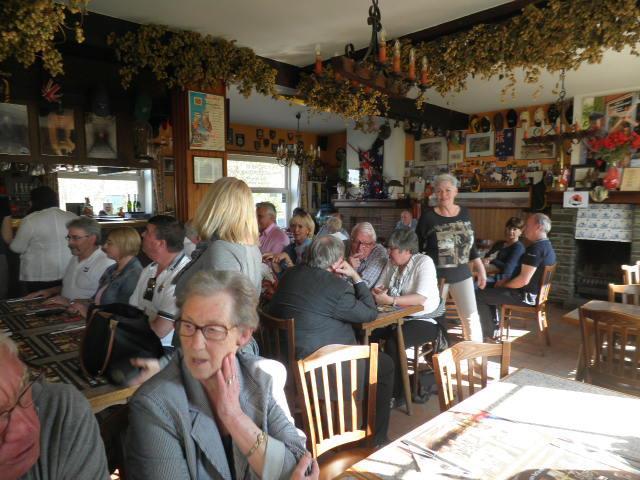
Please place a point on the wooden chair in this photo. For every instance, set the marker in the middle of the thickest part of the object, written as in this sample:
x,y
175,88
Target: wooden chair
x,y
611,350
277,340
525,312
332,423
447,365
423,354
631,273
629,294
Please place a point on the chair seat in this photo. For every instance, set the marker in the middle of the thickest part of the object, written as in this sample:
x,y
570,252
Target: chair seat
x,y
333,464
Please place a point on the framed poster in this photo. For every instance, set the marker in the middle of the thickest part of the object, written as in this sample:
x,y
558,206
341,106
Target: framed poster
x,y
100,134
58,133
480,144
533,151
14,129
431,151
207,122
207,169
456,156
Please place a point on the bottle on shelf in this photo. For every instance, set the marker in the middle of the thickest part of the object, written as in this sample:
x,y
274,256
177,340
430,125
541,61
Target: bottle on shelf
x,y
129,206
138,205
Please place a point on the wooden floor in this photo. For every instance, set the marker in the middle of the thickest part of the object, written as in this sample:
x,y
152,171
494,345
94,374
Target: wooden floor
x,y
559,359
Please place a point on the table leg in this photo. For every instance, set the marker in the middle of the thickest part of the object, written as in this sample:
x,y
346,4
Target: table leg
x,y
404,369
580,366
365,340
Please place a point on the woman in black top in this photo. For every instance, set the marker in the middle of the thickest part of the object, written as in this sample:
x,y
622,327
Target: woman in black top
x,y
504,257
446,235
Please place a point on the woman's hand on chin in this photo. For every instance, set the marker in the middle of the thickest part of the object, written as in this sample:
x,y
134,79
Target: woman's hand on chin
x,y
225,394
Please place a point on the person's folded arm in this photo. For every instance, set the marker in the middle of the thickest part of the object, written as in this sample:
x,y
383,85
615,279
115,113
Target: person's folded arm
x,y
356,305
161,326
523,278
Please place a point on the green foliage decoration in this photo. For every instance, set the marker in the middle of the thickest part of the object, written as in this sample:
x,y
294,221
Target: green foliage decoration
x,y
186,59
32,29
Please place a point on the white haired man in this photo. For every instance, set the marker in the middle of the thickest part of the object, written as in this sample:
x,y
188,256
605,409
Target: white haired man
x,y
523,287
47,431
272,238
367,257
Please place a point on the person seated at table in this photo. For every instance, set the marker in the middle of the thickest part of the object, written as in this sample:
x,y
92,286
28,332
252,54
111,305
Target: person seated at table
x,y
324,229
409,279
326,308
85,268
503,258
119,280
406,222
333,226
523,287
272,238
211,413
47,431
367,257
302,227
40,242
162,242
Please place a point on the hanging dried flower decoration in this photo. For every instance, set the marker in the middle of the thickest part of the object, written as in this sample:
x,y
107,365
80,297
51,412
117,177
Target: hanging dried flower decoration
x,y
185,59
33,29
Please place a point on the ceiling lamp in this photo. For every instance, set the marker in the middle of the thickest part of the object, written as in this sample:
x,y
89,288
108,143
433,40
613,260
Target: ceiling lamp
x,y
295,153
376,70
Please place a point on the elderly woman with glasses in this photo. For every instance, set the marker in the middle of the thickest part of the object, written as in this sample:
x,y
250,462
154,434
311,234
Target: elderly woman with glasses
x,y
409,279
212,411
446,235
367,257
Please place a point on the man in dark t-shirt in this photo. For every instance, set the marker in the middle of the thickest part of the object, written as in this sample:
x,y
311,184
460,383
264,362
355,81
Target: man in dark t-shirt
x,y
523,287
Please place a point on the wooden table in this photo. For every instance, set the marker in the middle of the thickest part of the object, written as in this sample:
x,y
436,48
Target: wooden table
x,y
395,317
52,343
573,318
529,425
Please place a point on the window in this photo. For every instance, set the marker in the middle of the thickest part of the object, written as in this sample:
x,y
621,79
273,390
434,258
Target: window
x,y
268,181
102,190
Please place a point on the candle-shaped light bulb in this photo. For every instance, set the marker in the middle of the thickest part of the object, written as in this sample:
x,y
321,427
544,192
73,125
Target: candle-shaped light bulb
x,y
382,53
318,152
318,66
424,72
412,64
396,57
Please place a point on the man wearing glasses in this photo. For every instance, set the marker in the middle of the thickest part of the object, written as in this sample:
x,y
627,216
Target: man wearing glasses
x,y
86,266
163,242
367,257
47,431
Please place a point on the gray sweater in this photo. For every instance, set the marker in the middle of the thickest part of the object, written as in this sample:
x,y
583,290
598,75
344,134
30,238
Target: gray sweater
x,y
70,444
223,255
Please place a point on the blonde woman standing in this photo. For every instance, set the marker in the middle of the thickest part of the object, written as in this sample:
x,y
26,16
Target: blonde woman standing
x,y
227,227
446,235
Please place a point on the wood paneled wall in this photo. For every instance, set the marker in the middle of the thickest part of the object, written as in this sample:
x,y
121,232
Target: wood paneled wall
x,y
489,222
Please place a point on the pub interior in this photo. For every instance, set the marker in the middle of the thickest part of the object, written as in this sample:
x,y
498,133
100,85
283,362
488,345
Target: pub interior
x,y
229,252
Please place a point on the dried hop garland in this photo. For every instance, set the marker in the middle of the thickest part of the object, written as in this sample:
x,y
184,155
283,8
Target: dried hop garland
x,y
32,29
185,59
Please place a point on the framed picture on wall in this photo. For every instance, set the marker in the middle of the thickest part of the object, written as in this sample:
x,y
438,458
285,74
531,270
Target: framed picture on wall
x,y
207,169
14,129
58,132
431,151
480,144
207,121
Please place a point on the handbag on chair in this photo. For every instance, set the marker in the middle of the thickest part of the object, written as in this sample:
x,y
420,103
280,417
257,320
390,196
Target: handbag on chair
x,y
114,335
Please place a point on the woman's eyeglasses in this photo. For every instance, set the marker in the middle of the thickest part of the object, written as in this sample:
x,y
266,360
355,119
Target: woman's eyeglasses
x,y
210,332
23,401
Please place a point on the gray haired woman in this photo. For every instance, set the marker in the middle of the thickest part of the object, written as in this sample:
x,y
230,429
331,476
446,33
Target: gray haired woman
x,y
446,235
409,279
211,413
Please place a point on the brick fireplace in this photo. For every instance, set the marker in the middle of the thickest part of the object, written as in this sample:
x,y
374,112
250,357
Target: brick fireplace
x,y
588,263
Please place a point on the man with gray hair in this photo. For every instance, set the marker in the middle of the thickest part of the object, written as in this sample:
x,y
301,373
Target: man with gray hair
x,y
367,257
326,308
86,266
523,287
47,431
272,238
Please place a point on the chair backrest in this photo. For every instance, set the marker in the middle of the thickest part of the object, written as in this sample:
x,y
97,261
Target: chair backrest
x,y
545,283
611,349
631,273
276,338
629,294
447,366
320,374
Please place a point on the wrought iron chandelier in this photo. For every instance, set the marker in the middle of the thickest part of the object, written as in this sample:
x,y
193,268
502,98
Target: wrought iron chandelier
x,y
375,70
295,153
